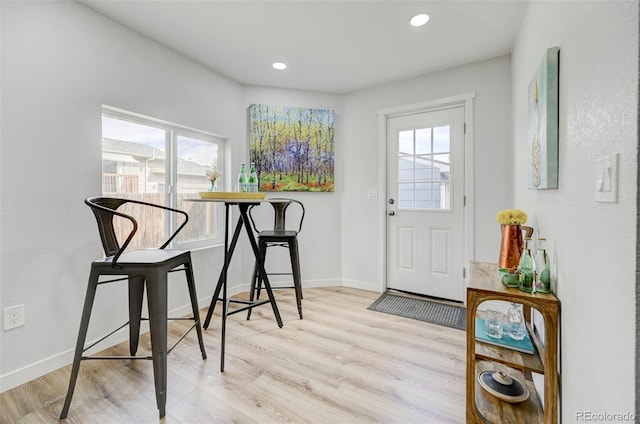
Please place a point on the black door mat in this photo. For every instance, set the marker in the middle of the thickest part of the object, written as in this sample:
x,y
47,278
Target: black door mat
x,y
421,309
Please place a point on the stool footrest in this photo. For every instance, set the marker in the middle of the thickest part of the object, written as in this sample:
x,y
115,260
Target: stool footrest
x,y
137,357
85,358
248,305
279,287
105,337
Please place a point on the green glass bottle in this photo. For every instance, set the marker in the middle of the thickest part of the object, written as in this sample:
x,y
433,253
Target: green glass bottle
x,y
527,268
242,179
253,179
543,268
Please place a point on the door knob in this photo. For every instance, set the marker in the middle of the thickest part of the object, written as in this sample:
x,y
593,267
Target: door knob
x,y
391,213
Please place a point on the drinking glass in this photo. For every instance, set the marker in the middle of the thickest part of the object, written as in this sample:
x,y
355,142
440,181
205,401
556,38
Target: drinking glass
x,y
493,324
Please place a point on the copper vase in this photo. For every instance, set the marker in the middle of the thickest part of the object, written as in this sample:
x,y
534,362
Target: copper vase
x,y
511,246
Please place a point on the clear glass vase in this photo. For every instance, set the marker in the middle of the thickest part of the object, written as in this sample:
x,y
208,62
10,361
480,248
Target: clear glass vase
x,y
214,185
516,326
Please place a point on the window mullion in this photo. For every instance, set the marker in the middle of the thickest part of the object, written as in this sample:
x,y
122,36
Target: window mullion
x,y
170,177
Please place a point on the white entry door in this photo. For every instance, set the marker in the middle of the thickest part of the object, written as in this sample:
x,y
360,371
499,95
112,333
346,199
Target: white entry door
x,y
425,204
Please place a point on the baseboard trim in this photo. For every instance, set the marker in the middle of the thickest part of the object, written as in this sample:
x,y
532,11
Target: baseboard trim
x,y
363,285
32,371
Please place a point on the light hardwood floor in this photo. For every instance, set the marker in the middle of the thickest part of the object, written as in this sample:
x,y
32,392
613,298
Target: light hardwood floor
x,y
341,364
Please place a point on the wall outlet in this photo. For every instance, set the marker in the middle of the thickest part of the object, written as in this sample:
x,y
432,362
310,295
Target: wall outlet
x,y
13,317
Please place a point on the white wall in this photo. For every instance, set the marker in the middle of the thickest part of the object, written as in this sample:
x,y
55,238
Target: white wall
x,y
592,244
60,62
490,80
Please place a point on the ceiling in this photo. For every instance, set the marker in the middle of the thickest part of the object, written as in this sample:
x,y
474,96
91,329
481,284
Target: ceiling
x,y
329,46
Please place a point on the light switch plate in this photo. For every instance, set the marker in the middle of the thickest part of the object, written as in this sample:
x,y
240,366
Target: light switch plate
x,y
606,179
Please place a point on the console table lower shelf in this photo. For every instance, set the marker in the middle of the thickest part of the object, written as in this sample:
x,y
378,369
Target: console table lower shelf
x,y
494,410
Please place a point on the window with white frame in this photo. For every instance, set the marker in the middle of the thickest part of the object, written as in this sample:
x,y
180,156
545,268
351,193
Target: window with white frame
x,y
163,163
424,162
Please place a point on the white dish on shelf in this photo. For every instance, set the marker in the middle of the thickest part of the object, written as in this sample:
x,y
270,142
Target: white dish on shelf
x,y
503,386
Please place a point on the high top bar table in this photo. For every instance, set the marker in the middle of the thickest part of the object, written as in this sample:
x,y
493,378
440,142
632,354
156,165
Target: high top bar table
x,y
243,205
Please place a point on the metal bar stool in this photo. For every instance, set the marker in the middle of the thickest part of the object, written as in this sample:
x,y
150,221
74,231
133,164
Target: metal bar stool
x,y
141,268
279,236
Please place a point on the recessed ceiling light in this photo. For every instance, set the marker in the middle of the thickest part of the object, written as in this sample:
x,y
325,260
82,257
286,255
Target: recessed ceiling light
x,y
279,66
419,20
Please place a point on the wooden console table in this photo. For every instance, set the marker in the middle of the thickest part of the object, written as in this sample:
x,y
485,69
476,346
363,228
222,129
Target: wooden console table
x,y
484,285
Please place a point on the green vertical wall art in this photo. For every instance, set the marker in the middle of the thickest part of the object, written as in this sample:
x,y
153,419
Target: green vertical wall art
x,y
543,123
293,148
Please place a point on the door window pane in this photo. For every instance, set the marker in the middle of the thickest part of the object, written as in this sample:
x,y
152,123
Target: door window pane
x,y
423,141
405,142
405,196
441,139
423,196
423,168
405,169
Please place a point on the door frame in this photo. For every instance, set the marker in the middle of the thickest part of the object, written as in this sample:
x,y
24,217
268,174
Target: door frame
x,y
464,100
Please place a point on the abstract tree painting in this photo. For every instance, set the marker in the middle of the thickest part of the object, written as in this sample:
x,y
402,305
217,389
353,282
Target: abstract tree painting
x,y
292,148
543,123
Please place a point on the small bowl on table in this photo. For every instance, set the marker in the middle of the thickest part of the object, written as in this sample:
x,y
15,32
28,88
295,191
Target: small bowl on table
x,y
509,277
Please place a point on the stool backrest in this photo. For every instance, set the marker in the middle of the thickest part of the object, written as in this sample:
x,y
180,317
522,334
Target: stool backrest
x,y
105,209
280,207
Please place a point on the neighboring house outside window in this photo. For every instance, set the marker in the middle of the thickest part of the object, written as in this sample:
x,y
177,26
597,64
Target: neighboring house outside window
x,y
163,163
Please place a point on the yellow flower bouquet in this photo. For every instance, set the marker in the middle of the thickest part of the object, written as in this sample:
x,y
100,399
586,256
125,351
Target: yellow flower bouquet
x,y
511,217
